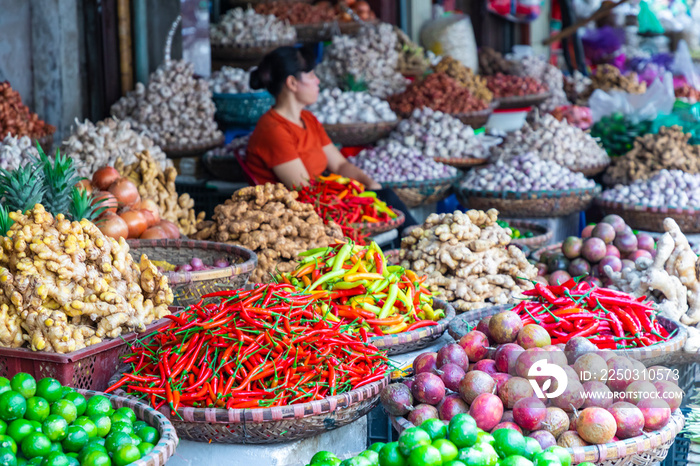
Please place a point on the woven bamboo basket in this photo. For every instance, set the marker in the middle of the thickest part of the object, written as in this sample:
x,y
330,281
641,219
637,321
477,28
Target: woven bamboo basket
x,y
645,450
193,150
406,342
165,448
590,172
359,134
245,52
322,32
529,204
646,218
536,255
416,193
242,109
462,324
522,101
189,287
380,227
463,163
541,234
477,119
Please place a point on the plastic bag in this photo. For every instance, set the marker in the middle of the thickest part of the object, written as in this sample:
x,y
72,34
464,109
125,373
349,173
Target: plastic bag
x,y
658,99
683,65
686,116
452,35
648,22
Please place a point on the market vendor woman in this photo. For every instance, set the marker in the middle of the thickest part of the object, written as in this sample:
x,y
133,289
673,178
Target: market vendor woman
x,y
289,144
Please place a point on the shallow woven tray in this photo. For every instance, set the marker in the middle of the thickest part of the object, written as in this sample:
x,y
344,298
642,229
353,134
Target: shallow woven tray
x,y
380,227
406,342
359,134
242,52
645,450
542,234
529,204
646,218
590,172
460,324
416,193
165,448
479,118
462,163
522,101
189,287
193,150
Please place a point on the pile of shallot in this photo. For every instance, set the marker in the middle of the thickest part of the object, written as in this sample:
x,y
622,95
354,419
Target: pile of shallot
x,y
335,106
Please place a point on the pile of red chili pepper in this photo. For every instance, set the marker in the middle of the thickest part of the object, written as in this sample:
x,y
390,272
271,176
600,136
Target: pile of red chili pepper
x,y
268,346
608,318
345,201
360,289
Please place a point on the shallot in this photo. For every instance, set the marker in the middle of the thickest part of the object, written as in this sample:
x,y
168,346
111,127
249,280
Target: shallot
x,y
666,188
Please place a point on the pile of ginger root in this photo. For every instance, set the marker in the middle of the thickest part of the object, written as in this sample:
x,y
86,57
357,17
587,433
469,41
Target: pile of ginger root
x,y
270,221
671,278
64,285
468,259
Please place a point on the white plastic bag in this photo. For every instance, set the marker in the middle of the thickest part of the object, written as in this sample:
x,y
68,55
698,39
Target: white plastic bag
x,y
683,64
658,99
452,35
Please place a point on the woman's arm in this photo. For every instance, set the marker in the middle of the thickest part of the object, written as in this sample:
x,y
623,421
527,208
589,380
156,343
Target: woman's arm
x,y
292,173
338,164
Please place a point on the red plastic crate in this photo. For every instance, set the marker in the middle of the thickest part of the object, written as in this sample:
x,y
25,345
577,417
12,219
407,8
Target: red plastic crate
x,y
89,368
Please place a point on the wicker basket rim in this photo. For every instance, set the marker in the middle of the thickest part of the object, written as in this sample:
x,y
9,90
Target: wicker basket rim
x,y
524,98
361,124
646,208
165,448
195,147
399,219
176,278
421,333
422,183
260,95
537,253
493,105
529,194
262,45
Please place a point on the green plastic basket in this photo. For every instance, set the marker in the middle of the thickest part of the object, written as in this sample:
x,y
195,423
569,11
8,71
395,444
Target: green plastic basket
x,y
242,109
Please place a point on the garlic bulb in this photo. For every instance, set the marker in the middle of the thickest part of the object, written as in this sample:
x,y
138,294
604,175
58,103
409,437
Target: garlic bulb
x,y
230,80
334,105
16,152
246,27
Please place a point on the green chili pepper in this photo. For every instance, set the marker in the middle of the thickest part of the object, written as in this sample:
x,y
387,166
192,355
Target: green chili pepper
x,y
324,278
339,259
390,300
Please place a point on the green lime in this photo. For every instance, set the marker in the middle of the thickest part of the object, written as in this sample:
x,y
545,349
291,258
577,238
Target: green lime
x,y
87,425
150,434
435,428
96,458
563,455
489,457
425,455
12,406
119,417
87,449
516,460
55,446
509,442
78,401
66,410
390,455
139,425
376,446
126,454
55,459
8,442
3,427
145,448
586,463
484,437
411,438
128,412
38,409
104,425
116,440
135,439
36,425
473,457
7,457
4,385
35,461
454,463
66,390
110,412
98,404
462,434
19,428
356,461
323,456
72,461
76,438
122,427
55,428
372,456
95,441
49,389
460,418
23,462
35,444
24,384
448,450
546,458
532,448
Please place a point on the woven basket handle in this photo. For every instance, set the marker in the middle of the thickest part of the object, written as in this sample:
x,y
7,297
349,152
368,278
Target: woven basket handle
x,y
169,39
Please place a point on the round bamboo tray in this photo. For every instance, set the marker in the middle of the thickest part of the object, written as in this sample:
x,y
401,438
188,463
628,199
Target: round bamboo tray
x,y
189,287
541,234
165,448
479,118
590,172
462,324
645,450
640,217
416,193
522,101
463,163
359,134
529,204
193,150
406,342
244,52
380,227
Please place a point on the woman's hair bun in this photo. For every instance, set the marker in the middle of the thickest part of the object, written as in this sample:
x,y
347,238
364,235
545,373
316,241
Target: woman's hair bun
x,y
257,81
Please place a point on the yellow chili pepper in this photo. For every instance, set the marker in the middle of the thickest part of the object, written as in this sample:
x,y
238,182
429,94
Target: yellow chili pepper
x,y
369,219
362,276
396,328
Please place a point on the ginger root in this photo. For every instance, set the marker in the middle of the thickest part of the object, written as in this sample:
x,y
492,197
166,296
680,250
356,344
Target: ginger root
x,y
468,259
65,286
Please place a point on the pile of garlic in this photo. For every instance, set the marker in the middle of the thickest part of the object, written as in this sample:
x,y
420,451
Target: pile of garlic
x,y
335,106
94,146
437,134
229,80
175,109
16,152
241,27
370,58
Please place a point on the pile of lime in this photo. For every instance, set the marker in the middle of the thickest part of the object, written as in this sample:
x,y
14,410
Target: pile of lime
x,y
459,443
47,424
514,232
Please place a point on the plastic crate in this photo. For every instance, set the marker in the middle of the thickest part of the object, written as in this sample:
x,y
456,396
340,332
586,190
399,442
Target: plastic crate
x,y
688,380
678,453
379,428
88,369
205,196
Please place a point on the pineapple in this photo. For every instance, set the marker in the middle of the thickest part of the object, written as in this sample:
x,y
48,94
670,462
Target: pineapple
x,y
59,180
81,206
22,188
5,220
